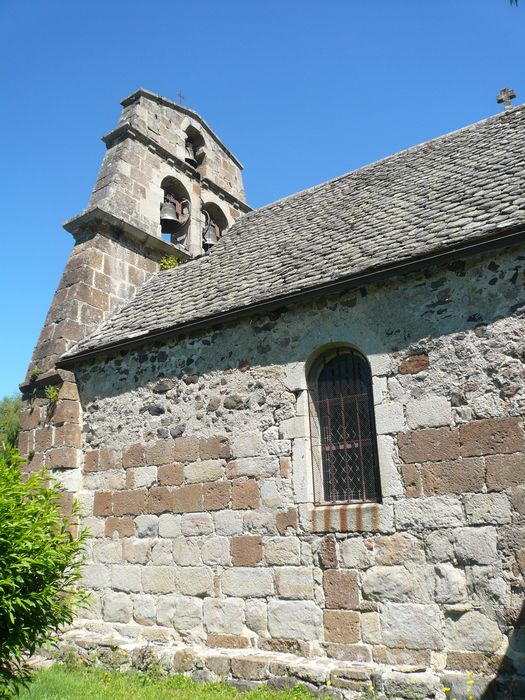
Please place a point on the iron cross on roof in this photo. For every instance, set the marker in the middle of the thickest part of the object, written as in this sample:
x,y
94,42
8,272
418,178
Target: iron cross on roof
x,y
506,95
181,96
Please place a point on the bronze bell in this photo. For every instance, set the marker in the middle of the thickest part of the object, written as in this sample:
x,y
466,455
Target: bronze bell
x,y
210,235
169,219
191,156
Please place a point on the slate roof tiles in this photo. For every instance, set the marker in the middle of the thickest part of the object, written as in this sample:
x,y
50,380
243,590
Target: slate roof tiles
x,y
461,187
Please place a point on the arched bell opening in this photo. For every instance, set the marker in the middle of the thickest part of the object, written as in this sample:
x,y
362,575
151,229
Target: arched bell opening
x,y
175,210
214,223
194,146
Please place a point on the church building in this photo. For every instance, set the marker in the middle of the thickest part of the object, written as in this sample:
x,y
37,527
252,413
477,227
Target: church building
x,y
295,433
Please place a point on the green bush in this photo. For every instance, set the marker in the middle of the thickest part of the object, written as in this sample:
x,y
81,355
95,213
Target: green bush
x,y
40,565
10,420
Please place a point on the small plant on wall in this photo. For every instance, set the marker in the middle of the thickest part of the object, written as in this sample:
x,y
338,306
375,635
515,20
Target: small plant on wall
x,y
168,262
52,393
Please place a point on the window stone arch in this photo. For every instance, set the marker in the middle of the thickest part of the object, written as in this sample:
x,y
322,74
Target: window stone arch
x,y
343,436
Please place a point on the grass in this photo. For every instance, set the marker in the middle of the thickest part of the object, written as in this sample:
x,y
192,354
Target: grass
x,y
63,682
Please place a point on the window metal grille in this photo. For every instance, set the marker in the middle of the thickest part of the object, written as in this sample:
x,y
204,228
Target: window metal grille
x,y
346,427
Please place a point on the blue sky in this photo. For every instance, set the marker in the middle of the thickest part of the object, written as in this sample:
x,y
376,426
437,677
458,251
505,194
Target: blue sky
x,y
301,91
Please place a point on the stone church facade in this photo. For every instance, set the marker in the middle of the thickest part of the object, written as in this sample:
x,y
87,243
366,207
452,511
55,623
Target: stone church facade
x,y
300,453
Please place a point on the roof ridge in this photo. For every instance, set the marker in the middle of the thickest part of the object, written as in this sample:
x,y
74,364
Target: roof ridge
x,y
404,151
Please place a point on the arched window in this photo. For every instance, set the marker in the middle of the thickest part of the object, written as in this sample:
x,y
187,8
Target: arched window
x,y
175,210
213,225
346,466
194,147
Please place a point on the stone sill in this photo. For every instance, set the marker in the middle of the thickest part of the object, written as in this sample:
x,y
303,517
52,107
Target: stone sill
x,y
53,376
347,517
90,217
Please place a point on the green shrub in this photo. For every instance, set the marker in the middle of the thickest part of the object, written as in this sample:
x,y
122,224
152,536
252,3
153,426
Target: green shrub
x,y
10,420
40,565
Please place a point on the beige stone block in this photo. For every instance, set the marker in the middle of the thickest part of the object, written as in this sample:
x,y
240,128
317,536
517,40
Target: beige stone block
x,y
247,582
136,551
248,444
186,552
158,579
223,615
215,551
290,619
195,524
144,609
294,582
411,626
125,578
207,470
253,466
282,551
117,607
96,576
195,581
170,525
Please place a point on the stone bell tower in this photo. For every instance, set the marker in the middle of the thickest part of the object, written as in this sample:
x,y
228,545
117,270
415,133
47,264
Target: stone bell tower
x,y
167,186
166,173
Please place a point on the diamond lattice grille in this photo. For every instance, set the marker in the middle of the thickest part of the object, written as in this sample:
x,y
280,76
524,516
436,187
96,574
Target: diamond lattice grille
x,y
346,424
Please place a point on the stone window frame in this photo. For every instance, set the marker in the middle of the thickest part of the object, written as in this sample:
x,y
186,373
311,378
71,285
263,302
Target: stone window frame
x,y
327,517
313,372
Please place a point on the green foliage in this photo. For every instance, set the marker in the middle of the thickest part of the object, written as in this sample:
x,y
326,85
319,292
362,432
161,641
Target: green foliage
x,y
168,262
35,373
60,682
51,391
40,565
10,420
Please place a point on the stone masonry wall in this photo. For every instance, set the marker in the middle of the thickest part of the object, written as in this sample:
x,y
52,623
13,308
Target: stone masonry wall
x,y
103,271
198,490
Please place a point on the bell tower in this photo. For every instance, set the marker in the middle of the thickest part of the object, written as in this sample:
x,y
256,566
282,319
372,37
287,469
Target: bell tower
x,y
167,174
167,187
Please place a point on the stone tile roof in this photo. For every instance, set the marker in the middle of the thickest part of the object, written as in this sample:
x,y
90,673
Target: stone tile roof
x,y
462,187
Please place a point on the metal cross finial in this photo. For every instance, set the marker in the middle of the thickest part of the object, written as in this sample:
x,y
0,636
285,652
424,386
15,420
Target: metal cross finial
x,y
181,96
506,95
